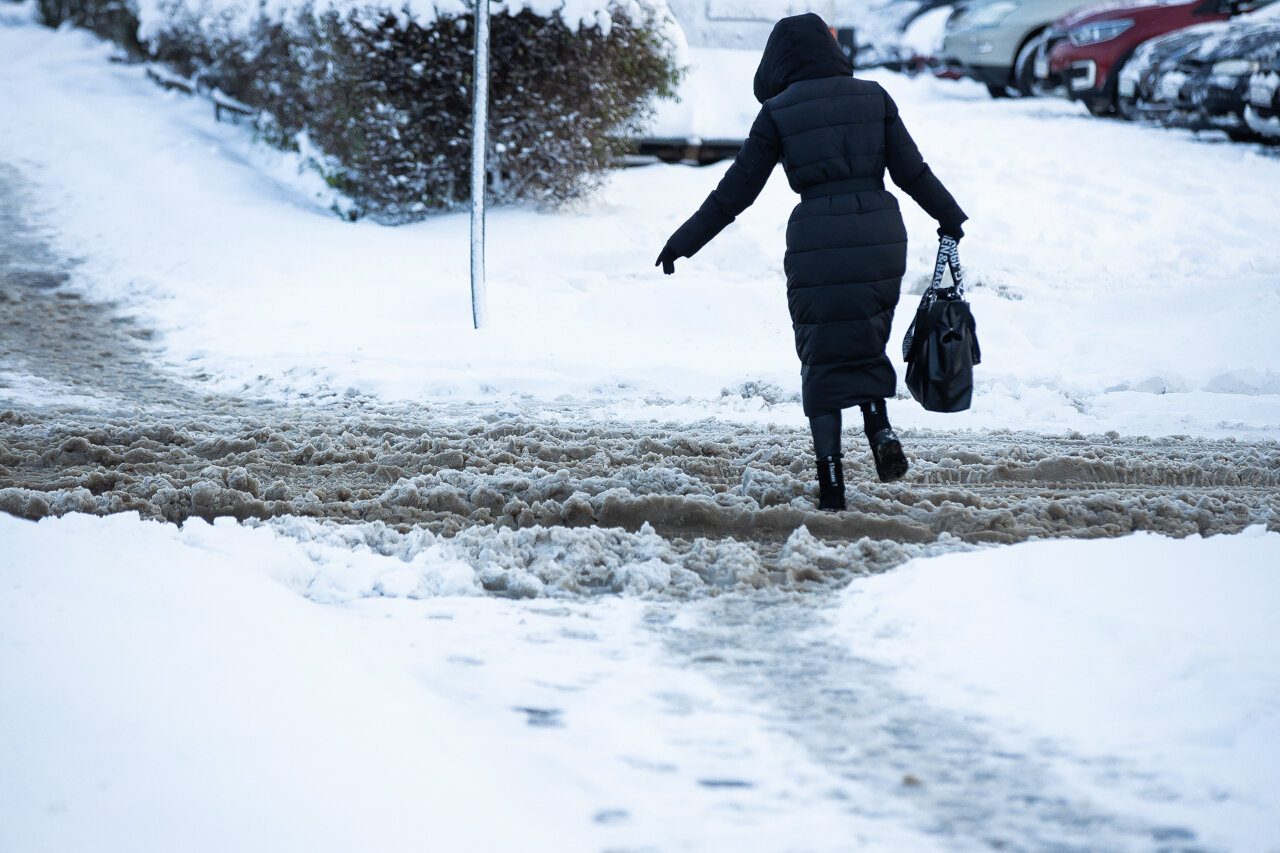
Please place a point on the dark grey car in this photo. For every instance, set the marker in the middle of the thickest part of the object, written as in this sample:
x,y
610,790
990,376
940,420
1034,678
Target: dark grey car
x,y
1200,77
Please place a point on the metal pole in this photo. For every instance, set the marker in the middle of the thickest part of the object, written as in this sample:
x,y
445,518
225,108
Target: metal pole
x,y
480,126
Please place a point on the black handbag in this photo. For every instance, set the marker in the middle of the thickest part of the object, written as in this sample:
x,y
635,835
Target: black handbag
x,y
941,346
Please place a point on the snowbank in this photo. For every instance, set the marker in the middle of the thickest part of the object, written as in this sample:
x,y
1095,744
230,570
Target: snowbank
x,y
182,688
1152,664
160,690
923,36
716,100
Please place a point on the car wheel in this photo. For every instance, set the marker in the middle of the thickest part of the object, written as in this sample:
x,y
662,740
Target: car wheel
x,y
1243,135
1024,70
1125,108
1100,106
998,90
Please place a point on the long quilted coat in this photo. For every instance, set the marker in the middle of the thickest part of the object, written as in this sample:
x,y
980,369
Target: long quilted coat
x,y
846,243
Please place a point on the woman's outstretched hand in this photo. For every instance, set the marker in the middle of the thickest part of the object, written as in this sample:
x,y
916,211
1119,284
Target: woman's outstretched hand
x,y
667,259
954,231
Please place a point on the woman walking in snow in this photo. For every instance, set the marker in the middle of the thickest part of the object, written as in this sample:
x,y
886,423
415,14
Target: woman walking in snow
x,y
846,242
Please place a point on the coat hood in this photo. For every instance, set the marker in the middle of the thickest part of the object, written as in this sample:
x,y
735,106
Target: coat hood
x,y
800,47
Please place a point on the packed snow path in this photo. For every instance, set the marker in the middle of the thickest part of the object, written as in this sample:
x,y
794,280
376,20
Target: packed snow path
x,y
107,432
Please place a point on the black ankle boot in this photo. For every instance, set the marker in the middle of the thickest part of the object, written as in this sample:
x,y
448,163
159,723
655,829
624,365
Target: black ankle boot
x,y
830,483
891,463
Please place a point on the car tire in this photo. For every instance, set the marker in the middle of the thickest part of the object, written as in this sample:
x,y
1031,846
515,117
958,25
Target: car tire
x,y
1024,72
1241,134
1116,105
1100,106
998,90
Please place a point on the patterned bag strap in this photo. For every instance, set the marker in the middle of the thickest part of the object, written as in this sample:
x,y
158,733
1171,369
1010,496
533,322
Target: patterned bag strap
x,y
948,255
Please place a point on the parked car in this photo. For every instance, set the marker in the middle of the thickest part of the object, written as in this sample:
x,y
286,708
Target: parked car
x,y
1205,83
995,41
1144,73
1087,48
1262,113
1219,90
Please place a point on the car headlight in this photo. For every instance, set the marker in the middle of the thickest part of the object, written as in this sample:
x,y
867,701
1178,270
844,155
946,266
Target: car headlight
x,y
1234,67
987,14
1099,32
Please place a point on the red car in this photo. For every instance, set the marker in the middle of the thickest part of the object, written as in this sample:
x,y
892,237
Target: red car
x,y
1086,48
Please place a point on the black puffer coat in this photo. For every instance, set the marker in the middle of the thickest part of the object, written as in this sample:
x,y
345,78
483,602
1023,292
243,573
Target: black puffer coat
x,y
846,243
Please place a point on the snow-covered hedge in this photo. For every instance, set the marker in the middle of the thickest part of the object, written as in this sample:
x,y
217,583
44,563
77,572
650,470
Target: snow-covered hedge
x,y
110,19
383,97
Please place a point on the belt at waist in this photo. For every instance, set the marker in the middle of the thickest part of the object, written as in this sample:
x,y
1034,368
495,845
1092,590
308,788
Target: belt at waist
x,y
852,185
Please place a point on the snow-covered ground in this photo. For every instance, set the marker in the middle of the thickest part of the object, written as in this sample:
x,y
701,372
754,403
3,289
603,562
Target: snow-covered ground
x,y
1123,278
165,688
1142,653
211,708
285,686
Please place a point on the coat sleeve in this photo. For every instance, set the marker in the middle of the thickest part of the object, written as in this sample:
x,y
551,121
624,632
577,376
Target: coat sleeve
x,y
910,172
739,187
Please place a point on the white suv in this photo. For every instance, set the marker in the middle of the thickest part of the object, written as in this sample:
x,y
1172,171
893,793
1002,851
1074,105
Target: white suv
x,y
995,41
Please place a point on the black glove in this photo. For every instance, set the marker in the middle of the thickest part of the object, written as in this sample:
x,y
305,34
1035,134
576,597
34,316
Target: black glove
x,y
955,232
667,259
